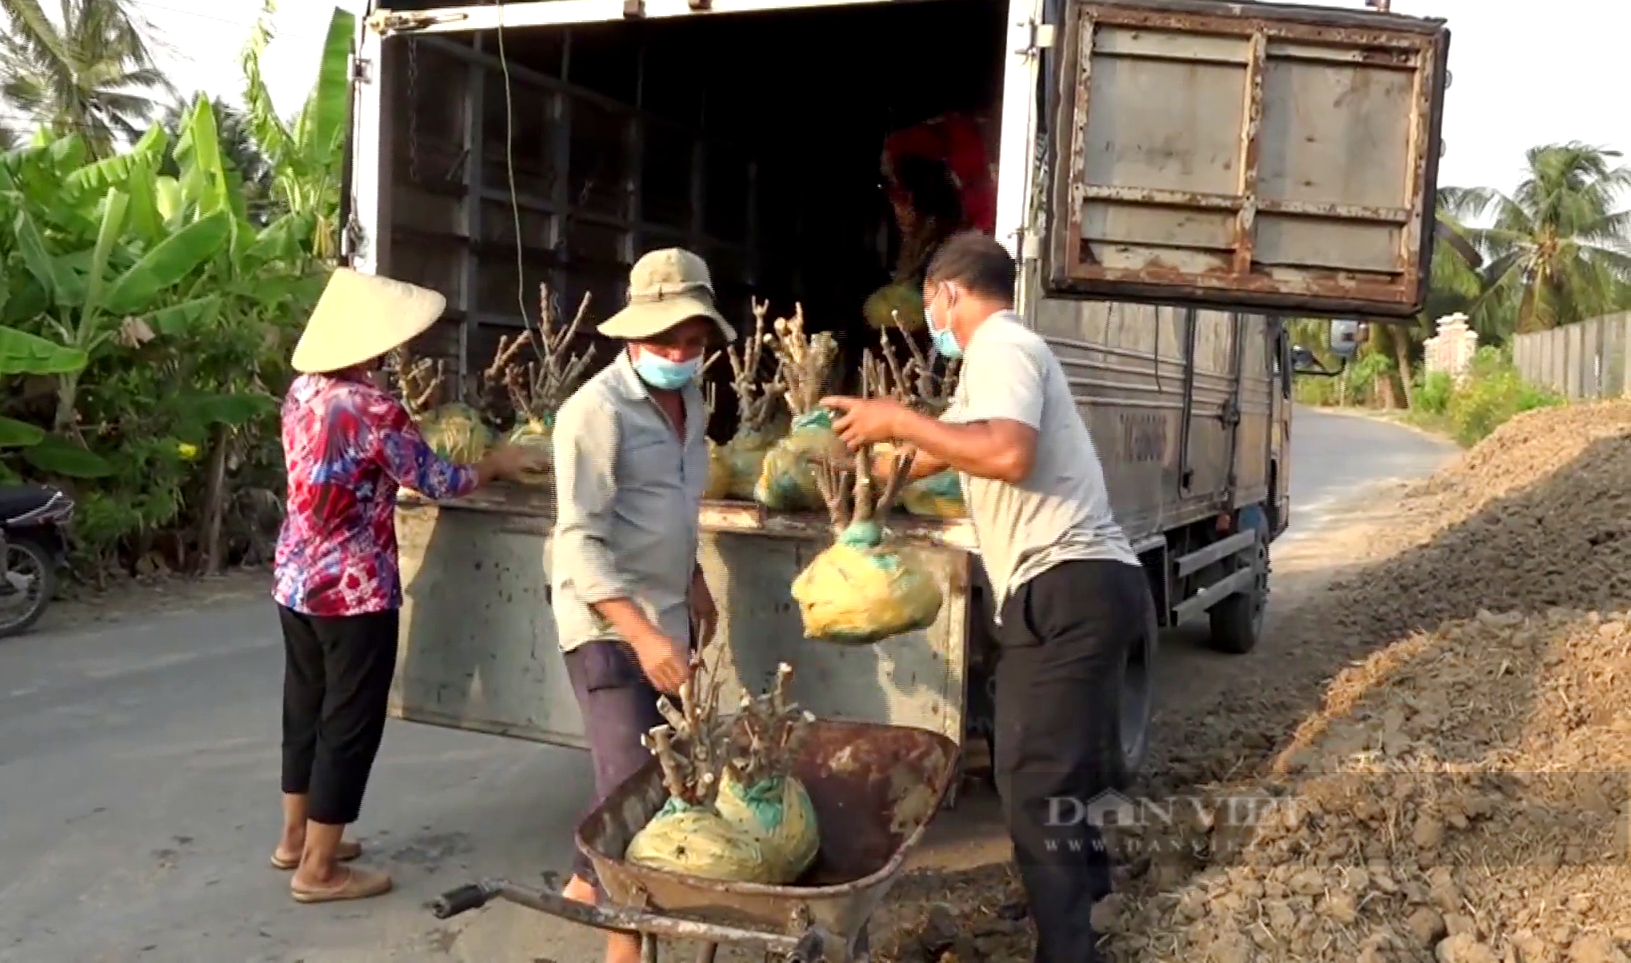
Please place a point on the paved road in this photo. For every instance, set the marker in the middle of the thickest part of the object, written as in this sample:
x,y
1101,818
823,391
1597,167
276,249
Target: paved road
x,y
138,771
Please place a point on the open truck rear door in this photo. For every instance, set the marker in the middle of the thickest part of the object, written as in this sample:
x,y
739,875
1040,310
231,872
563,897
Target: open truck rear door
x,y
1245,155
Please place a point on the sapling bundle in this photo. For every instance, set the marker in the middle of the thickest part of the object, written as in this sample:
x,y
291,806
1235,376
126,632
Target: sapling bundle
x,y
758,401
861,589
787,479
757,790
538,388
455,430
734,811
925,382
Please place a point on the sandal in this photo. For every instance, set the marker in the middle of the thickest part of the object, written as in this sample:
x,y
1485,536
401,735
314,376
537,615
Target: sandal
x,y
345,853
353,883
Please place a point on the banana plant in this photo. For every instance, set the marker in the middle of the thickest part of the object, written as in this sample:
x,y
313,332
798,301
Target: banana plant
x,y
307,155
88,301
23,354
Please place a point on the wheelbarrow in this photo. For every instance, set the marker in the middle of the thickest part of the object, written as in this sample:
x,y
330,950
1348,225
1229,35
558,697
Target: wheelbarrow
x,y
874,788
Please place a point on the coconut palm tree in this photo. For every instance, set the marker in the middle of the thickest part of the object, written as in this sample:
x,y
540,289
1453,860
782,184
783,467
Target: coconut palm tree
x,y
1558,248
91,72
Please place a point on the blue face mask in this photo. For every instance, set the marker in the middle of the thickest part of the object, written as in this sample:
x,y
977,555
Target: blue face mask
x,y
663,374
944,341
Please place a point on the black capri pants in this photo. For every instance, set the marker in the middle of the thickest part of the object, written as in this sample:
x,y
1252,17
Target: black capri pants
x,y
1062,636
336,683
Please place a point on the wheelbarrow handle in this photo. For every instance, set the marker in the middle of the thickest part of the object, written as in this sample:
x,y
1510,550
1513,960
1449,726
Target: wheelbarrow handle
x,y
462,900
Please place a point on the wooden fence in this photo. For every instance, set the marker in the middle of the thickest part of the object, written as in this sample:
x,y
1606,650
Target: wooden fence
x,y
1584,360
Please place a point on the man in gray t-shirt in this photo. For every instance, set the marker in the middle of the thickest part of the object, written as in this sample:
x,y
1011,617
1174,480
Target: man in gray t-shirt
x,y
1069,592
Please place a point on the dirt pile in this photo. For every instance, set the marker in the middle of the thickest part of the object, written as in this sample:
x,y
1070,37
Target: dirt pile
x,y
1462,796
1439,766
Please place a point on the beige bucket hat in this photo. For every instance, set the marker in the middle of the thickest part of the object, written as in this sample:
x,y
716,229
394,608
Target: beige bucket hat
x,y
666,288
360,317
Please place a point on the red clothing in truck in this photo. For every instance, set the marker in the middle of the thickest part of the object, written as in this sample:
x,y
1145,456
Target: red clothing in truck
x,y
958,141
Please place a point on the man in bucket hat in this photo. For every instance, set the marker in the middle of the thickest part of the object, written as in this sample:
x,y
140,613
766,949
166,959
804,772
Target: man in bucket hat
x,y
631,462
347,447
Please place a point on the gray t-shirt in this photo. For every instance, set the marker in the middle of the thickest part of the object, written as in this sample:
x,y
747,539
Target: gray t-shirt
x,y
1061,511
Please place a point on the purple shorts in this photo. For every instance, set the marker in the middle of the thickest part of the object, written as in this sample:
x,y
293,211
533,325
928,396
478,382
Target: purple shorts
x,y
619,705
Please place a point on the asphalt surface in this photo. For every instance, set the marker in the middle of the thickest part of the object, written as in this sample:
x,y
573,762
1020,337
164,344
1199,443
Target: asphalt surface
x,y
139,768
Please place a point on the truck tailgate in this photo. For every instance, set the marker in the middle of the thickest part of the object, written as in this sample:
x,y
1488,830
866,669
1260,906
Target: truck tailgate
x,y
1246,154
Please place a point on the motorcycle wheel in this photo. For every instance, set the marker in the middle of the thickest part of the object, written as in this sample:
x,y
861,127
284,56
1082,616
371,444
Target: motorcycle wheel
x,y
27,587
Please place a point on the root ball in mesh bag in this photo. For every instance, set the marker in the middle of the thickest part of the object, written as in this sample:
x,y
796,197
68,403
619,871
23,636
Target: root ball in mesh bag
x,y
758,792
863,589
735,811
787,477
938,496
699,842
537,389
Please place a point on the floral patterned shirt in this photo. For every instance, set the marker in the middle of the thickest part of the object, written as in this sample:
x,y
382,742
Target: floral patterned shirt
x,y
347,446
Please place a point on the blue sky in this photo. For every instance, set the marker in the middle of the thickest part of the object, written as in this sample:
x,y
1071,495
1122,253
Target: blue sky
x,y
1516,66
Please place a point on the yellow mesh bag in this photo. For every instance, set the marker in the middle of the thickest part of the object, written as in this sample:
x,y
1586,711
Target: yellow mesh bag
x,y
744,459
534,433
787,479
892,301
698,842
719,472
859,591
457,433
938,496
778,814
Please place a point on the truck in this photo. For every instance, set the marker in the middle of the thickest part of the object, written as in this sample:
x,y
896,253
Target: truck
x,y
1176,180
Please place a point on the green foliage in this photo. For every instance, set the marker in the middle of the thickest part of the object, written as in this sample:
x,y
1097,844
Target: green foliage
x,y
1433,394
1490,395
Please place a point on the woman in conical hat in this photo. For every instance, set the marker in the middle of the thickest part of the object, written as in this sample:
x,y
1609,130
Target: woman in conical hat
x,y
348,446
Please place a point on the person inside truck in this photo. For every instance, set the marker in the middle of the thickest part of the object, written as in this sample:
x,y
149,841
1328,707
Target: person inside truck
x,y
347,447
1066,585
631,462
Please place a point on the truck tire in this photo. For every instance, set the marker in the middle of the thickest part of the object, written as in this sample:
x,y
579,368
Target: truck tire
x,y
1129,729
1237,621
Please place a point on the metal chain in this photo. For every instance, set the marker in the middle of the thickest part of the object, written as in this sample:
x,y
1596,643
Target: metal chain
x,y
413,110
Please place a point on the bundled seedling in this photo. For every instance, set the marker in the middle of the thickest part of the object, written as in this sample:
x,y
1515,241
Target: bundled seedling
x,y
758,401
758,792
787,478
455,430
860,589
925,382
538,388
734,812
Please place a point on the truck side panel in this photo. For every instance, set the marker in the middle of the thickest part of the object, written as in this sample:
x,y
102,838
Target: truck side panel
x,y
1178,402
478,649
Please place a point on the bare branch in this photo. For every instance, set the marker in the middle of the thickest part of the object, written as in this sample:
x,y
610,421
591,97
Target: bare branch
x,y
756,392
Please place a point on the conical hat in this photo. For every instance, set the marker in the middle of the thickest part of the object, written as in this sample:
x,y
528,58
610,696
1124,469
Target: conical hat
x,y
360,317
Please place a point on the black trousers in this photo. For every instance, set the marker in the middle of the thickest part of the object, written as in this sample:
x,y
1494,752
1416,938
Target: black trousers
x,y
336,682
1061,637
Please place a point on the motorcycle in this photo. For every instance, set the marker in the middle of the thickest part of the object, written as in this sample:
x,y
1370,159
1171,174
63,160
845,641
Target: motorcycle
x,y
34,521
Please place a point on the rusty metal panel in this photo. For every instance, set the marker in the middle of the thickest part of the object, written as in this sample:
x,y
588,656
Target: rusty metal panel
x,y
1247,155
478,649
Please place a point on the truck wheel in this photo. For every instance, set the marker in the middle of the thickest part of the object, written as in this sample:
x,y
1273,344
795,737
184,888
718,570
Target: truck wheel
x,y
1237,621
1129,735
